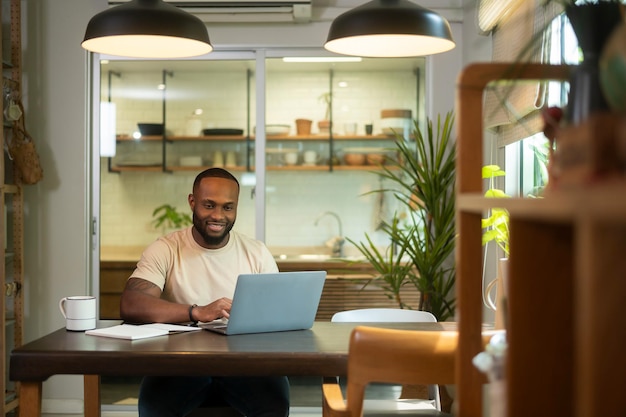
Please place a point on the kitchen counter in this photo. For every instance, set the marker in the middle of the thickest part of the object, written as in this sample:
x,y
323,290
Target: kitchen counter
x,y
347,287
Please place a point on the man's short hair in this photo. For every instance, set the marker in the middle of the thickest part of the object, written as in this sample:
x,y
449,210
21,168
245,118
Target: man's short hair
x,y
214,173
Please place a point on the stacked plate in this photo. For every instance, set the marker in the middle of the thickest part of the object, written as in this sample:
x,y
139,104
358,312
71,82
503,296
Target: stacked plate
x,y
395,122
276,130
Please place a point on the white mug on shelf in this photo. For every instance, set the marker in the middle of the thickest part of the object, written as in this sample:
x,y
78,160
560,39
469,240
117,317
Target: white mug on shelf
x,y
218,159
311,157
349,129
231,159
79,312
291,158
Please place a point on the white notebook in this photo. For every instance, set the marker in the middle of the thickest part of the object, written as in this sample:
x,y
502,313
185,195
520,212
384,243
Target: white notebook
x,y
141,331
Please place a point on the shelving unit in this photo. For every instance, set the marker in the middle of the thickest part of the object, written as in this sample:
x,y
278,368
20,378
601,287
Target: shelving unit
x,y
240,114
11,212
566,288
243,139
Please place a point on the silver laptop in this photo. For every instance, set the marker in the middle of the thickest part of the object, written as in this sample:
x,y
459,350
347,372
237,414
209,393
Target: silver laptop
x,y
272,302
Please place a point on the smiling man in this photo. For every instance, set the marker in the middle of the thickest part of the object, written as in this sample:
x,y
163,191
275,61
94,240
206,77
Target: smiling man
x,y
190,275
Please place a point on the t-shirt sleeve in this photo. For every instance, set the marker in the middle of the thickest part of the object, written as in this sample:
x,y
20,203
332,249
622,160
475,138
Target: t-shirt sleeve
x,y
154,264
269,263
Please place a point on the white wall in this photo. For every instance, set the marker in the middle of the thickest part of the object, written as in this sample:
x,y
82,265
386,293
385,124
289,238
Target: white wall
x,y
57,218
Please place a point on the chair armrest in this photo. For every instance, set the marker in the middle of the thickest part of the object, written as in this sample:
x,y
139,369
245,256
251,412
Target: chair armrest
x,y
333,403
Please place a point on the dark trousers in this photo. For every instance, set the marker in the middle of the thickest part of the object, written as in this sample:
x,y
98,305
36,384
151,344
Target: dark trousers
x,y
178,396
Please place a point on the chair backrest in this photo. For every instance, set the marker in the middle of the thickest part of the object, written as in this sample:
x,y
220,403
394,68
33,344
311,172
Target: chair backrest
x,y
389,315
398,357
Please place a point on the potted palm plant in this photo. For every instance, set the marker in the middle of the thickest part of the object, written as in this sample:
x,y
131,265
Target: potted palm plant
x,y
422,231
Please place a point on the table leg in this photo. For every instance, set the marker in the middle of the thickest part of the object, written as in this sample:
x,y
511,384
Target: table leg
x,y
30,399
92,395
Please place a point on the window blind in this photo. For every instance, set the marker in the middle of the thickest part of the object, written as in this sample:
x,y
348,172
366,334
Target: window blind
x,y
513,108
492,12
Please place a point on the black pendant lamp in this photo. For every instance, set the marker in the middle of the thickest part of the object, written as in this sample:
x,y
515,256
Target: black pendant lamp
x,y
389,28
147,29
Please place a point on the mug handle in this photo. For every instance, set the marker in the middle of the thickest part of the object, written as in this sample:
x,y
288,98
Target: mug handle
x,y
62,306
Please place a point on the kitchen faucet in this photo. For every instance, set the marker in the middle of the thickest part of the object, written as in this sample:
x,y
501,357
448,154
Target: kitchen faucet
x,y
336,243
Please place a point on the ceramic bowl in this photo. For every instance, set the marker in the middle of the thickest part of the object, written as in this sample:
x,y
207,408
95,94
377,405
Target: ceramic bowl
x,y
276,130
375,158
354,158
150,129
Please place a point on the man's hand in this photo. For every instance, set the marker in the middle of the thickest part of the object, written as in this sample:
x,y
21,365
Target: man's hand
x,y
218,309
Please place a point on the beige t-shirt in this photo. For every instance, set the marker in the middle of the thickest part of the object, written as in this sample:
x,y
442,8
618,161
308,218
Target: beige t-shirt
x,y
190,274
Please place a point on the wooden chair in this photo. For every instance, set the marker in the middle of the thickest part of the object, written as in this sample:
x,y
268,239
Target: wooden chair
x,y
395,357
429,393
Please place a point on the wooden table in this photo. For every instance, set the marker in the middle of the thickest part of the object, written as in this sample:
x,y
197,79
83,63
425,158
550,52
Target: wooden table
x,y
321,351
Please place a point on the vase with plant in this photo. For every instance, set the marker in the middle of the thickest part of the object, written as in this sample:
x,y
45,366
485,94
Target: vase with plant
x,y
496,229
167,217
593,24
324,124
496,224
422,231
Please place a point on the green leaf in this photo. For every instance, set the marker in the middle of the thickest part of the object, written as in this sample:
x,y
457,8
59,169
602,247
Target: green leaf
x,y
490,171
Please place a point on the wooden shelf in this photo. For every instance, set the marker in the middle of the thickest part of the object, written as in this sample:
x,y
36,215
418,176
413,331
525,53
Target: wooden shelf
x,y
217,138
11,270
201,168
562,205
137,168
127,138
327,137
221,138
243,168
10,189
241,138
470,206
566,285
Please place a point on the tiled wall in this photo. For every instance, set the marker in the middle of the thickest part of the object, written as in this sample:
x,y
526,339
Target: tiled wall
x,y
294,199
294,202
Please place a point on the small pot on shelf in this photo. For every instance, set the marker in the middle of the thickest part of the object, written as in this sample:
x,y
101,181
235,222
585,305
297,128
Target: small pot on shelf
x,y
324,127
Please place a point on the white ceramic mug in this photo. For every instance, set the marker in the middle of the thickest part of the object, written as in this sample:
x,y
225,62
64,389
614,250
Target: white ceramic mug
x,y
311,158
291,158
231,159
350,128
79,312
218,159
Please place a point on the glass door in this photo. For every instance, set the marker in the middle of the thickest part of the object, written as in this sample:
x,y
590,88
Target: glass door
x,y
172,120
318,177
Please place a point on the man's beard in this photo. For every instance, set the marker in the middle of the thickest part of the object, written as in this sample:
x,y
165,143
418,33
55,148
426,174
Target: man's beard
x,y
199,225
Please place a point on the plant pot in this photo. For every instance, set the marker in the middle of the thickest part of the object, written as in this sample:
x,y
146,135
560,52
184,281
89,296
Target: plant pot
x,y
324,127
303,127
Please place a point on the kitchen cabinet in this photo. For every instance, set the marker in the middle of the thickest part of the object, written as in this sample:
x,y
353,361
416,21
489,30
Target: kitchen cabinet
x,y
566,279
11,210
344,289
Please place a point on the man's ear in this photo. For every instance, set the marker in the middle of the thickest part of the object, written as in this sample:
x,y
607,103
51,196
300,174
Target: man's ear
x,y
191,201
